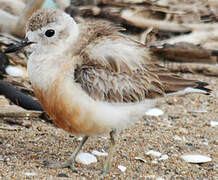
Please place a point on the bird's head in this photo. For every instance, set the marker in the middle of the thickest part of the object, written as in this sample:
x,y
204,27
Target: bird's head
x,y
49,30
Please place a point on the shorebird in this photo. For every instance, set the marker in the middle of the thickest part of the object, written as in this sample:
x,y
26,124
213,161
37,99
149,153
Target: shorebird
x,y
92,79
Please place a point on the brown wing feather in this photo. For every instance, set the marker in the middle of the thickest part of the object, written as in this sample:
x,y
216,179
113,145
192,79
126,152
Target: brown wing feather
x,y
105,85
102,84
113,68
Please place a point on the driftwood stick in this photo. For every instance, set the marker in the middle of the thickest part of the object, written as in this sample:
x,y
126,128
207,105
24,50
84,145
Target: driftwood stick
x,y
9,128
62,4
11,6
7,22
142,22
19,98
17,25
16,111
30,8
206,69
185,52
196,37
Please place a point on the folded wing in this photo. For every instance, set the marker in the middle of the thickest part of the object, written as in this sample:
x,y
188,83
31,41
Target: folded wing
x,y
117,69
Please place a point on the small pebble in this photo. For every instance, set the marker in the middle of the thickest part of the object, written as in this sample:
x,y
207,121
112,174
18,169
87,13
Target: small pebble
x,y
154,161
154,153
214,123
7,159
85,158
198,111
79,138
164,157
205,143
182,131
62,175
104,137
178,138
196,158
140,159
215,142
14,71
122,168
160,178
29,173
154,112
150,176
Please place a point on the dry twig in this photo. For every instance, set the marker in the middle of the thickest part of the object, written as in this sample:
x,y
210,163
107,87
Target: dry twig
x,y
206,69
184,52
17,25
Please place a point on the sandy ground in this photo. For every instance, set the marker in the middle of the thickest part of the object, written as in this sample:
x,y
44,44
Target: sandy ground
x,y
184,128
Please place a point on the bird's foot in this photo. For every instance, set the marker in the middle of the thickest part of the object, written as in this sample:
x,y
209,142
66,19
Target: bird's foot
x,y
70,164
65,164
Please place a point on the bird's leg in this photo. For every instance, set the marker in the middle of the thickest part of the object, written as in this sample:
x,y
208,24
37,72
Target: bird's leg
x,y
107,164
70,161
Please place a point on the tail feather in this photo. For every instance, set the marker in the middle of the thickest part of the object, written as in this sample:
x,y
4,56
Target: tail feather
x,y
201,86
176,83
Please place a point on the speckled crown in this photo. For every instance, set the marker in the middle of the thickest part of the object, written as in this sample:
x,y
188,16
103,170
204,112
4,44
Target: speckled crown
x,y
42,18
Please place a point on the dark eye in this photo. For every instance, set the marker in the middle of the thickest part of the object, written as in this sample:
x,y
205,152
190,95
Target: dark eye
x,y
50,33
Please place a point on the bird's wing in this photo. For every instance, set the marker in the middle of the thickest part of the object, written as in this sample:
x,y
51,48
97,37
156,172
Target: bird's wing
x,y
113,69
117,69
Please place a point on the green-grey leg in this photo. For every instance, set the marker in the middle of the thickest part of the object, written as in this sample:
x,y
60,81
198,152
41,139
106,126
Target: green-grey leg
x,y
70,161
107,164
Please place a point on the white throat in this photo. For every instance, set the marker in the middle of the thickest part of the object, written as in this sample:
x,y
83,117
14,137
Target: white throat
x,y
45,61
42,70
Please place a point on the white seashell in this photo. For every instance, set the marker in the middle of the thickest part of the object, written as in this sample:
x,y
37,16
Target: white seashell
x,y
164,157
98,153
160,178
150,176
154,112
85,158
122,168
79,138
29,173
214,123
196,158
154,153
198,111
140,159
103,137
154,161
14,71
178,138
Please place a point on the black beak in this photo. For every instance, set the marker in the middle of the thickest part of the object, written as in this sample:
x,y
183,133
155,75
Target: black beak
x,y
16,47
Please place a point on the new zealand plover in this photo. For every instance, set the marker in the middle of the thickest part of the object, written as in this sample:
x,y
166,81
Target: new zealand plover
x,y
90,78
